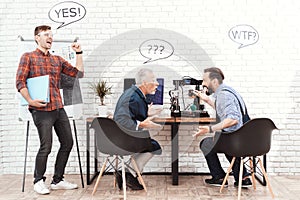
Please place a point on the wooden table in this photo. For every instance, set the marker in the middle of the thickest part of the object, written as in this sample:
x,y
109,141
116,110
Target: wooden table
x,y
175,122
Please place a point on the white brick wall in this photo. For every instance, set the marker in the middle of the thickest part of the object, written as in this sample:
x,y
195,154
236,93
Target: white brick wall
x,y
266,73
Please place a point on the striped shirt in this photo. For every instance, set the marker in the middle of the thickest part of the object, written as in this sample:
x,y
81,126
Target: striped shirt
x,y
36,63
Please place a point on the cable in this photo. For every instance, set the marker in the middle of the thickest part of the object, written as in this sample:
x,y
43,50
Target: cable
x,y
188,106
182,96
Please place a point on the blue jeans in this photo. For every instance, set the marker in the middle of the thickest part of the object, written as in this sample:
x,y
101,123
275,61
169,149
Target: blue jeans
x,y
44,121
213,162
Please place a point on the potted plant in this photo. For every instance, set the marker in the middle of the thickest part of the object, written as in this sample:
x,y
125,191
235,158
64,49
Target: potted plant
x,y
102,90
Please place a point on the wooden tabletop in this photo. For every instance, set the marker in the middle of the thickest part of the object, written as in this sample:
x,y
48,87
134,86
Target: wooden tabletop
x,y
175,119
164,119
184,120
195,119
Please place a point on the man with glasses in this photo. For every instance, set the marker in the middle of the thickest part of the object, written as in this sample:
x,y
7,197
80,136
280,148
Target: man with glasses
x,y
132,112
48,115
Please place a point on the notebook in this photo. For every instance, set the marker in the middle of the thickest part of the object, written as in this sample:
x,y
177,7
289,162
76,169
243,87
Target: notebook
x,y
38,88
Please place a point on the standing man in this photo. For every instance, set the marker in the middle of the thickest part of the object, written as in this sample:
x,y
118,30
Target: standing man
x,y
48,115
229,117
132,112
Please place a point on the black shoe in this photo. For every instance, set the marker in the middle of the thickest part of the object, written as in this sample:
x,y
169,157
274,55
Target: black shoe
x,y
245,183
118,176
216,182
132,182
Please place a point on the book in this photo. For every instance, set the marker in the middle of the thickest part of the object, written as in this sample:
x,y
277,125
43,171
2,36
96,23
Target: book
x,y
38,88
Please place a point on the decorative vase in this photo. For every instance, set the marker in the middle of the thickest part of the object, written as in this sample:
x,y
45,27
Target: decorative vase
x,y
102,110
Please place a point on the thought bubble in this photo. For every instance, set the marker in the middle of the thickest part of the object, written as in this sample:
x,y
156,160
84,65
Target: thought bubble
x,y
66,13
244,35
156,49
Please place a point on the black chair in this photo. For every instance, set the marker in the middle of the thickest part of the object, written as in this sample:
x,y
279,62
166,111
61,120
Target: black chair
x,y
251,140
116,141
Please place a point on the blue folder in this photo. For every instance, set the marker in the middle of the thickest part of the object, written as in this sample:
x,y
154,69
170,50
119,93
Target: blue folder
x,y
38,88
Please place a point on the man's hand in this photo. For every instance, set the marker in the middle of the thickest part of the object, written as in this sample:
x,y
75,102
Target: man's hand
x,y
201,131
149,124
202,95
79,61
76,47
37,103
154,111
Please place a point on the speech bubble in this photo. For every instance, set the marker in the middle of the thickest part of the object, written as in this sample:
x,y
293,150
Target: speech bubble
x,y
156,49
66,13
244,35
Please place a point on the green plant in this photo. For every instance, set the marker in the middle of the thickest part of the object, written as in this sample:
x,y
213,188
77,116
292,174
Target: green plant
x,y
101,89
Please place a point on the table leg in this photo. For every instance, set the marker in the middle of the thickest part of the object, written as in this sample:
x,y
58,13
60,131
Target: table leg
x,y
265,166
78,153
174,138
88,153
96,156
89,180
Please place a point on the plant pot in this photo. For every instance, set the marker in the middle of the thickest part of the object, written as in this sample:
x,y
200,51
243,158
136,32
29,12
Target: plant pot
x,y
102,111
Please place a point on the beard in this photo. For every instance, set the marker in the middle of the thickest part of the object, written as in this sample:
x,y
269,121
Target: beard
x,y
208,91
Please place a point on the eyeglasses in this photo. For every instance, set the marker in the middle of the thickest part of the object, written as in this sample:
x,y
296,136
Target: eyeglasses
x,y
46,34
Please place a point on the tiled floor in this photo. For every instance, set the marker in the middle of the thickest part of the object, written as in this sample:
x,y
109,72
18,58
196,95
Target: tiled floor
x,y
159,187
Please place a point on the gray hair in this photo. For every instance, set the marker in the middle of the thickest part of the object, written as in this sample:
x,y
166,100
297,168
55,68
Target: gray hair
x,y
142,75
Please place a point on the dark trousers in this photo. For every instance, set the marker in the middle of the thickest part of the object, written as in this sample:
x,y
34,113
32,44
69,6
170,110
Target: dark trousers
x,y
213,162
45,121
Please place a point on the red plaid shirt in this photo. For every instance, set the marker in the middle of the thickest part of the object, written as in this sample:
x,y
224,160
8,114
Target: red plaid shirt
x,y
36,63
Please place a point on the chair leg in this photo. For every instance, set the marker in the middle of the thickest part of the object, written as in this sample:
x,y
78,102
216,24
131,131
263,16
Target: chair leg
x,y
100,175
116,171
123,178
240,179
252,173
266,177
227,174
138,173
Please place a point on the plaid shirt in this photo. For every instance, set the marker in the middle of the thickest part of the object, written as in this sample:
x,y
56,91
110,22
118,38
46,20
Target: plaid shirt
x,y
36,63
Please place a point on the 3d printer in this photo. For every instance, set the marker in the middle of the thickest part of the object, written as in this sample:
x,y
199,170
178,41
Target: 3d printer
x,y
174,94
